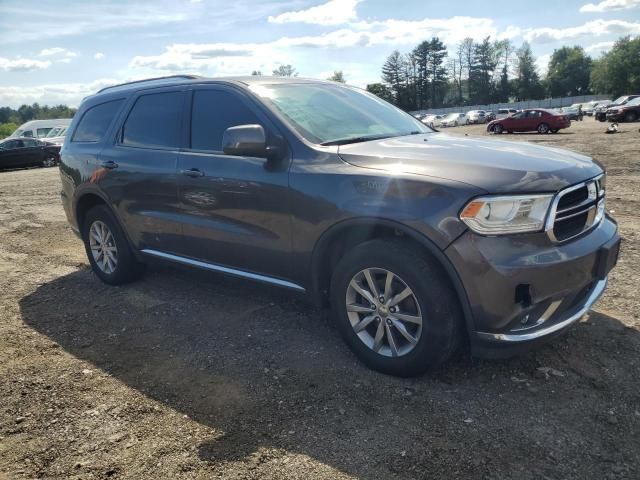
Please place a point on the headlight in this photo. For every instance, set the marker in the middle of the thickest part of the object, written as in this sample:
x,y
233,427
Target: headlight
x,y
506,214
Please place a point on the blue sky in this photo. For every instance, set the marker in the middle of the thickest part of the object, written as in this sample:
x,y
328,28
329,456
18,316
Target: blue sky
x,y
58,51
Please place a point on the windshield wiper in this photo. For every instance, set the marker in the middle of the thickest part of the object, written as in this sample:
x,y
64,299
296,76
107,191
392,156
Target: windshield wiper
x,y
345,141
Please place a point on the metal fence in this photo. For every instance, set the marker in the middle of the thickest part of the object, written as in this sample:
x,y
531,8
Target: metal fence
x,y
546,103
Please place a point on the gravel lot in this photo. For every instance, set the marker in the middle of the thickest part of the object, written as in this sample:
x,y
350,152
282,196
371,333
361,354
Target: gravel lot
x,y
191,375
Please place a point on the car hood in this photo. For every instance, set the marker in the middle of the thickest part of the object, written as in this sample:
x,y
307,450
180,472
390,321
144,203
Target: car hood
x,y
493,165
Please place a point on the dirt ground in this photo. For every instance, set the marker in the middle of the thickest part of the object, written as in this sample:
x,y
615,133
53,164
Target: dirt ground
x,y
189,375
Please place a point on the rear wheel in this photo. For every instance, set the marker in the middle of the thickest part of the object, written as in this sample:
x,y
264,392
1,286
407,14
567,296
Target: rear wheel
x,y
543,128
630,117
50,161
108,250
395,308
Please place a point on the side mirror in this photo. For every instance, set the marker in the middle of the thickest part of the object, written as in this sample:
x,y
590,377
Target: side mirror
x,y
245,141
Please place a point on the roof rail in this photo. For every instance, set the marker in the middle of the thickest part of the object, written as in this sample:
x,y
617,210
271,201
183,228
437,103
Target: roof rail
x,y
186,77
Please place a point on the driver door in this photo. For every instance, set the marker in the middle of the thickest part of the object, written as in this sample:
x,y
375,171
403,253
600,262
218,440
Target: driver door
x,y
235,209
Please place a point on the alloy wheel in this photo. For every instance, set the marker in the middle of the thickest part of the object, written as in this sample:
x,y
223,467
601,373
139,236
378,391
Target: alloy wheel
x,y
384,312
103,247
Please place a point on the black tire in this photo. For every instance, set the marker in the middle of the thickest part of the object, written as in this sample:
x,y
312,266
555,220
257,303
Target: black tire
x,y
50,160
630,117
128,268
498,129
442,319
543,128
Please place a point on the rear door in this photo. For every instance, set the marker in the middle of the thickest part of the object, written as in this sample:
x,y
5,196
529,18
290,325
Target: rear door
x,y
138,172
236,209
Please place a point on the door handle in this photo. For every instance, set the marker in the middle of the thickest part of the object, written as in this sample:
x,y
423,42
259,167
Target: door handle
x,y
109,165
192,172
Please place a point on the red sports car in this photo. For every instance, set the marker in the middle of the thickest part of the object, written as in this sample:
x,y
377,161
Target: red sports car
x,y
533,120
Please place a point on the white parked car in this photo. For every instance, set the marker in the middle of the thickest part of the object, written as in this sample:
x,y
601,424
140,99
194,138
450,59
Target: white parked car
x,y
505,112
432,120
40,128
453,120
477,116
56,135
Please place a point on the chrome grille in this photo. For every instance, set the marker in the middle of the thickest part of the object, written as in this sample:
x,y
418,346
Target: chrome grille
x,y
576,210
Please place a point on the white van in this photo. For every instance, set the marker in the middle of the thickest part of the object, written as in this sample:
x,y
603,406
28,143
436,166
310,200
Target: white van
x,y
40,128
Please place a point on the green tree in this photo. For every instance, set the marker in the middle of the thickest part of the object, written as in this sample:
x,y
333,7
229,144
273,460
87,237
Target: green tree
x,y
482,70
569,72
381,90
421,56
256,73
504,52
618,71
527,85
7,129
285,71
394,73
338,76
437,71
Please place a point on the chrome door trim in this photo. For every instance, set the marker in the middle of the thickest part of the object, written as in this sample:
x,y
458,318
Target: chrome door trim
x,y
221,269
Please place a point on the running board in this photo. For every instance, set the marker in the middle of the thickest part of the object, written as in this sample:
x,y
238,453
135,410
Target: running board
x,y
219,268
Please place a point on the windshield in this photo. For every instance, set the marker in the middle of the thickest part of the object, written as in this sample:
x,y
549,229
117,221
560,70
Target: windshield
x,y
633,103
331,114
619,100
453,116
56,132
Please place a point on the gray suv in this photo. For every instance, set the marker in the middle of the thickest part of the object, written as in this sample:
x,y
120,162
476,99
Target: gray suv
x,y
419,241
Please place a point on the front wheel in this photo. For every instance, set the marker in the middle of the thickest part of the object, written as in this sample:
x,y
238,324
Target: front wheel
x,y
543,128
498,129
395,308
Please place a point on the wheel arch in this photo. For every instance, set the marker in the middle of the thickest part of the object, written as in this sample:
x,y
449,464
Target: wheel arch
x,y
341,237
91,198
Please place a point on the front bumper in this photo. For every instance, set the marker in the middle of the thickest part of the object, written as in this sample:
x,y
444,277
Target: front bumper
x,y
523,289
615,117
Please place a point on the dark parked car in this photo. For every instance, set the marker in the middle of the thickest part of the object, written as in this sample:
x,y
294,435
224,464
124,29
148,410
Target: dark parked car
x,y
536,120
601,111
629,112
421,242
27,152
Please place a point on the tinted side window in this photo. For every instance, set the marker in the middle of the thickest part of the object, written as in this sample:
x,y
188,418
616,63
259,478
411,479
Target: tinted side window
x,y
213,112
31,143
95,122
154,121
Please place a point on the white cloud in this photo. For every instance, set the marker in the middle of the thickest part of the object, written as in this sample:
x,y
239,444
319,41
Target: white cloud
x,y
98,56
47,52
52,94
595,28
334,12
241,58
57,51
600,46
82,19
542,63
22,64
609,6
